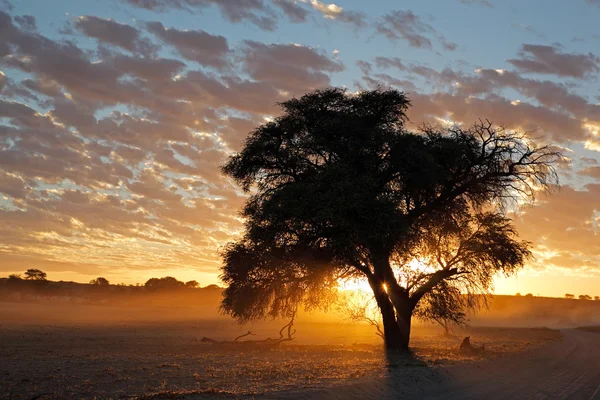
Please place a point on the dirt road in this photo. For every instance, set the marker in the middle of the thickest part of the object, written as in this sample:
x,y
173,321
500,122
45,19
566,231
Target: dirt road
x,y
565,369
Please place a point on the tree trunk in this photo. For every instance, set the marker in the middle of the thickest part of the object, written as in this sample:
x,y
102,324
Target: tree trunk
x,y
396,320
404,319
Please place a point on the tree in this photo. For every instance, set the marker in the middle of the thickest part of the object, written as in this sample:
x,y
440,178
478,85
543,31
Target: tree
x,y
35,275
166,283
529,295
100,281
340,188
213,287
518,294
585,297
191,284
596,297
569,296
14,277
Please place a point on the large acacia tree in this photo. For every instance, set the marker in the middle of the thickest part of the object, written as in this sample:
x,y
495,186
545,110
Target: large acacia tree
x,y
340,188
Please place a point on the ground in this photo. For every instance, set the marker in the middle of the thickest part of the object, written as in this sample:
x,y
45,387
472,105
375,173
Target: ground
x,y
58,359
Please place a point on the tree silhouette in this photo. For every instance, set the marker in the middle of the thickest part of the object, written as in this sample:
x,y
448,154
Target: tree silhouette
x,y
166,283
35,275
596,297
100,281
191,284
569,296
585,297
340,188
213,287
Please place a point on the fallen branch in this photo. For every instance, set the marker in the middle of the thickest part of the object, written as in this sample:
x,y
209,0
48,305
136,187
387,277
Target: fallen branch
x,y
244,335
267,341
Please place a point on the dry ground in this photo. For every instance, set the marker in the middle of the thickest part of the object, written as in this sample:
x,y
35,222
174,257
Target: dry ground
x,y
111,359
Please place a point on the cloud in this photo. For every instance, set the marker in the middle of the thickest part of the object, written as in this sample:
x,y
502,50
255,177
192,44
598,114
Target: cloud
x,y
591,171
563,228
411,28
289,67
335,12
364,66
196,45
540,59
109,150
561,113
292,9
253,11
387,62
114,33
484,3
26,22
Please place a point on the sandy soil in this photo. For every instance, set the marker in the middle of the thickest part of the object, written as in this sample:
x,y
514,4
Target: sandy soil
x,y
565,369
59,359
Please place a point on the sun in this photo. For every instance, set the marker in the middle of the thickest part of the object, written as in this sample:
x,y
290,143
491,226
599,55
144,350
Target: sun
x,y
362,284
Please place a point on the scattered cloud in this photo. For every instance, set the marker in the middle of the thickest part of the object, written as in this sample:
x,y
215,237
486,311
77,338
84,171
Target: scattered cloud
x,y
111,32
541,59
591,171
413,29
335,12
292,9
194,45
236,11
289,67
110,147
484,3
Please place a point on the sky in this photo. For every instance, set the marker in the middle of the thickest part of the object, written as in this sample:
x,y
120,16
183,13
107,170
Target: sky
x,y
116,115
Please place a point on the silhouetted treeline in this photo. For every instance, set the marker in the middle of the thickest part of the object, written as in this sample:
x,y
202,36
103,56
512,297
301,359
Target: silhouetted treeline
x,y
100,290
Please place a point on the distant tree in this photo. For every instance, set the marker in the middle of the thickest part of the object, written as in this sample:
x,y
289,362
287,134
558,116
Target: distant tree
x,y
191,284
166,283
99,282
518,295
596,297
569,296
35,275
213,287
15,277
528,295
585,297
338,186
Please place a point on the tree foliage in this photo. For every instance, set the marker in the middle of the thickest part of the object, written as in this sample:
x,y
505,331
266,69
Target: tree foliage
x,y
35,275
100,281
166,283
340,188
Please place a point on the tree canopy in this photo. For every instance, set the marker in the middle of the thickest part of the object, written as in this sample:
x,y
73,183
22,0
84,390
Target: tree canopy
x,y
35,275
166,283
340,188
100,281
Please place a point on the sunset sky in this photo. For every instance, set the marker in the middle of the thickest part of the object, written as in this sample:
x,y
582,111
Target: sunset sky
x,y
115,116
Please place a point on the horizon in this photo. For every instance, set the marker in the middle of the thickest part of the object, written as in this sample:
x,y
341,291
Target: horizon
x,y
141,284
117,116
